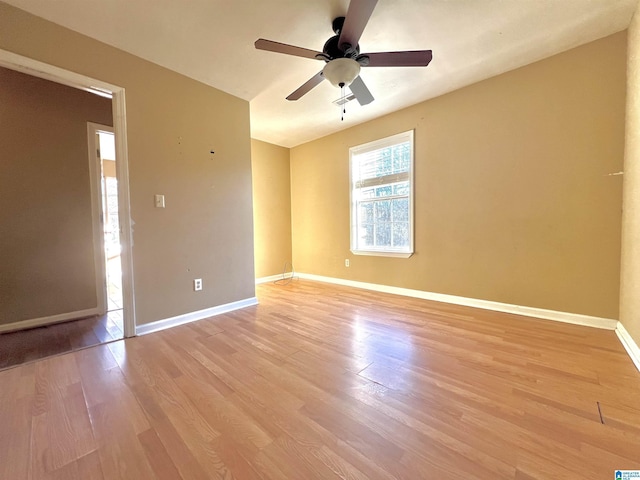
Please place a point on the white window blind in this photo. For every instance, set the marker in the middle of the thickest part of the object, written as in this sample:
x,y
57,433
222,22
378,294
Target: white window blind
x,y
382,196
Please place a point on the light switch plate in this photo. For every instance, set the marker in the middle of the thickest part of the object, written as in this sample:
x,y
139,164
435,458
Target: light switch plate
x,y
159,201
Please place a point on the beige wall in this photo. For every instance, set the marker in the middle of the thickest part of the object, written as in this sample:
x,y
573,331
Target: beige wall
x,y
513,201
173,122
46,240
630,275
271,208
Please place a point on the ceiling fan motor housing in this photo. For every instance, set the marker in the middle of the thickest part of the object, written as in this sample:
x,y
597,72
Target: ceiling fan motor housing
x,y
337,25
332,49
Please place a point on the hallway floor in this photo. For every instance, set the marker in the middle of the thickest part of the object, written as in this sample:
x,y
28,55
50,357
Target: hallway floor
x,y
25,346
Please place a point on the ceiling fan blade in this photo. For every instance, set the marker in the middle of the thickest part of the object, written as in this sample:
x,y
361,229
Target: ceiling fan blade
x,y
357,17
415,58
360,90
307,86
271,46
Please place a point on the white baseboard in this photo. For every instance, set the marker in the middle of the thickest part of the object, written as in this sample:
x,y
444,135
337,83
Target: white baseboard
x,y
273,278
42,321
629,344
193,316
575,318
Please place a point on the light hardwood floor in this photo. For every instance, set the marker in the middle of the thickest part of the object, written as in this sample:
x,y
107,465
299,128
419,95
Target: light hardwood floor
x,y
330,382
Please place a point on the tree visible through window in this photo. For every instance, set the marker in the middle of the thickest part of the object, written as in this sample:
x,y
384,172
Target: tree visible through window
x,y
381,196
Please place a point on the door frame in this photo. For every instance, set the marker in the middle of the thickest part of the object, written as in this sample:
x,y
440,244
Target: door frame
x,y
43,70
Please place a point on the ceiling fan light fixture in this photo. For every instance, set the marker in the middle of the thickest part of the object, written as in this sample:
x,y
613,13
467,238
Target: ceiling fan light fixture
x,y
341,71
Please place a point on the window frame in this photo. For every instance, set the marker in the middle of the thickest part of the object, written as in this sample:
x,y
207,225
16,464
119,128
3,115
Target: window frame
x,y
353,201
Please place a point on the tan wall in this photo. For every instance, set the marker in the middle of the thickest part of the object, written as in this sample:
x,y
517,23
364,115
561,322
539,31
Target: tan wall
x,y
271,208
173,122
630,275
46,240
513,201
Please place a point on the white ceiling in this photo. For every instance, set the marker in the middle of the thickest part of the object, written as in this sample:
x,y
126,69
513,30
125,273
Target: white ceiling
x,y
212,41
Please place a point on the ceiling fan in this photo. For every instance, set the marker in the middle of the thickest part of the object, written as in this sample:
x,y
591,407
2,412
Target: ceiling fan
x,y
342,54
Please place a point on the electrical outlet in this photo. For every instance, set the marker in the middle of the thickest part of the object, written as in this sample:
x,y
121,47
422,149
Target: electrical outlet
x,y
197,284
346,262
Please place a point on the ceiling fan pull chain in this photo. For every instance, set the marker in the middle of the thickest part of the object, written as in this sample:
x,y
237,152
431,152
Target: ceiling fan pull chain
x,y
344,107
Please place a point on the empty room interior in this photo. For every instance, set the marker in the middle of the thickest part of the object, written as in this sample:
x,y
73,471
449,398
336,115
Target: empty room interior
x,y
322,239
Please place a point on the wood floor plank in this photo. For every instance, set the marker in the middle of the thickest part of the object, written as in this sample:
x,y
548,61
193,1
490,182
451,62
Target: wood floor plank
x,y
89,467
240,465
15,437
121,454
326,382
61,432
189,366
157,456
182,456
183,418
282,454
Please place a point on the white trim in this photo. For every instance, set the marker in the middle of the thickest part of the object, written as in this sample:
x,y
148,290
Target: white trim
x,y
95,181
42,321
124,212
55,74
194,316
117,94
629,344
388,253
273,278
575,318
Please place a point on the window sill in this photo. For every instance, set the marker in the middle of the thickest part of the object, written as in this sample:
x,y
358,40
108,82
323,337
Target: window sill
x,y
378,253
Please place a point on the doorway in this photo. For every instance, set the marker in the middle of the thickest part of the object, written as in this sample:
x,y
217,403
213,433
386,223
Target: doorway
x,y
102,154
56,314
119,134
111,223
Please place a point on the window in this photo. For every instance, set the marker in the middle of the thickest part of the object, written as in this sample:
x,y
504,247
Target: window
x,y
382,196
